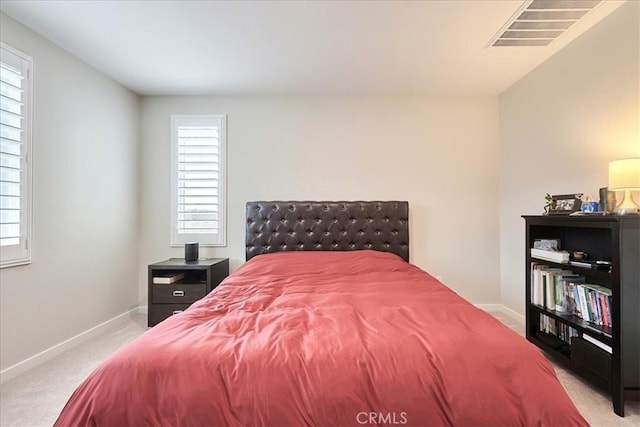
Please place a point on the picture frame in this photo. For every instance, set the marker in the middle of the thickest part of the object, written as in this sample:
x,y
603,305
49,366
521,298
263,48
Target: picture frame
x,y
565,204
547,244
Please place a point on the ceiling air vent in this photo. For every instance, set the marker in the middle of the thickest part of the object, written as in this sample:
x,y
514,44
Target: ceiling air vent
x,y
539,22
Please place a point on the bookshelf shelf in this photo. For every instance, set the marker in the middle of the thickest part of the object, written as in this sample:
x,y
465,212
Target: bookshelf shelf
x,y
606,355
587,272
601,332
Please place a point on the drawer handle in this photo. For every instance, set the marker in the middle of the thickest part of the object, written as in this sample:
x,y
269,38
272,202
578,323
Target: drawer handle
x,y
177,311
178,293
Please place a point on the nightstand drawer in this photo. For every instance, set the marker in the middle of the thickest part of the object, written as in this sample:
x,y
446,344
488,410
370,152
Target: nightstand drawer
x,y
177,294
158,313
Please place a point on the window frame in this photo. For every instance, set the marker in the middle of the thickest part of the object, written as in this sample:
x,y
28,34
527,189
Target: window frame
x,y
22,254
205,240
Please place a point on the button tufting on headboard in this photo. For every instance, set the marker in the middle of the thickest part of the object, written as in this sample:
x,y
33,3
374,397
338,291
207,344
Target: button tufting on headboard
x,y
291,226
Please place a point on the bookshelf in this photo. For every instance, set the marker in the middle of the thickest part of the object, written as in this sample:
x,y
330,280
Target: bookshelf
x,y
175,284
607,355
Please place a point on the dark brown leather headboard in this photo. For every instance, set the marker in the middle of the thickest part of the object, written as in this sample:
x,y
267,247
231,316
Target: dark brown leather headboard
x,y
327,226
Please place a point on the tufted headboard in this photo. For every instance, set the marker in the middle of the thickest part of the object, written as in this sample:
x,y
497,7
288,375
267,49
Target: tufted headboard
x,y
327,226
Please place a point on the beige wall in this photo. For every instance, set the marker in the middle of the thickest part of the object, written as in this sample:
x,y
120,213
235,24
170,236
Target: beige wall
x,y
561,125
439,154
85,200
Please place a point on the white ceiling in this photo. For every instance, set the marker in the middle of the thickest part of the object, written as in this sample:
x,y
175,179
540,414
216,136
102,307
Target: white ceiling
x,y
294,47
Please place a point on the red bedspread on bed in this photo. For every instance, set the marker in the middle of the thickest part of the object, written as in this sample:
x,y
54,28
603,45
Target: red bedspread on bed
x,y
325,338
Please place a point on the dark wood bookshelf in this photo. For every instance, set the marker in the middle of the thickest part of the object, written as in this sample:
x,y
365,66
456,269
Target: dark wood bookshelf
x,y
611,238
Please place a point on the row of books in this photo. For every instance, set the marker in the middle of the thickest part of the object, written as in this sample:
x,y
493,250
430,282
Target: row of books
x,y
567,293
595,303
549,285
559,329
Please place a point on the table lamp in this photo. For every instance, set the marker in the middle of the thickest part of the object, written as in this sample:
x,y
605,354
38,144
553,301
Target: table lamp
x,y
624,175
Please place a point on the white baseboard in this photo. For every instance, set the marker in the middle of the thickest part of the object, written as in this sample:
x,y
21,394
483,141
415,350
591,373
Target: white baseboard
x,y
514,314
501,309
489,307
143,309
33,361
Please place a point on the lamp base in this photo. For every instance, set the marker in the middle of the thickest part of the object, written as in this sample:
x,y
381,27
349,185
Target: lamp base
x,y
628,206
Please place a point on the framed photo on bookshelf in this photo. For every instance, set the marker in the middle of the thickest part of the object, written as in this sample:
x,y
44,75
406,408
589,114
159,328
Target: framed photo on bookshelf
x,y
565,204
547,244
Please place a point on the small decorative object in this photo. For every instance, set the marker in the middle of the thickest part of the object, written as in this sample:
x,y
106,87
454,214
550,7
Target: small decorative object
x,y
578,255
564,204
624,175
611,201
548,203
588,204
191,252
607,200
603,198
590,207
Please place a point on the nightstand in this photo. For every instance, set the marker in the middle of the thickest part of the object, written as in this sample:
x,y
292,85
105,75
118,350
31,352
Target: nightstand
x,y
175,284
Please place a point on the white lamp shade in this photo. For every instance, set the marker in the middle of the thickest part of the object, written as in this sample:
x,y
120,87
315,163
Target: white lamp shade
x,y
624,174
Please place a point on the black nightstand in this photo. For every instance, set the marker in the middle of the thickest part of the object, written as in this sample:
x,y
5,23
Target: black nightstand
x,y
175,284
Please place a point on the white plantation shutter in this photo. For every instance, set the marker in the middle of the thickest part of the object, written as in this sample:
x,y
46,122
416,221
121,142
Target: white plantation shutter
x,y
15,144
198,199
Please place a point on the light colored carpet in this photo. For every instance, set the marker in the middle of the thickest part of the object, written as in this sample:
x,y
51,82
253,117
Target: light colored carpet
x,y
36,397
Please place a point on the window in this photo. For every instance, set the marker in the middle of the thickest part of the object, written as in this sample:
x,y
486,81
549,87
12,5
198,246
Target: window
x,y
198,146
15,151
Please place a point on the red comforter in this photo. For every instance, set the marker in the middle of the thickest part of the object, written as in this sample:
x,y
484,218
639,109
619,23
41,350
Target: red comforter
x,y
325,338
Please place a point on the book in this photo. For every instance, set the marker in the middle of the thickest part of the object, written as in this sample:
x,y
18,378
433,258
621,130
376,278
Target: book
x,y
568,282
561,289
555,256
577,296
595,308
603,308
597,343
608,310
537,296
167,278
584,300
598,288
548,281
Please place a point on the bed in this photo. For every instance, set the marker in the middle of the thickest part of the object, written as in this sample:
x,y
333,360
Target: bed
x,y
327,323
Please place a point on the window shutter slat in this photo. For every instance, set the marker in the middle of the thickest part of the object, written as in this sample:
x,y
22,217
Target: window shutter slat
x,y
8,146
9,174
11,75
10,105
